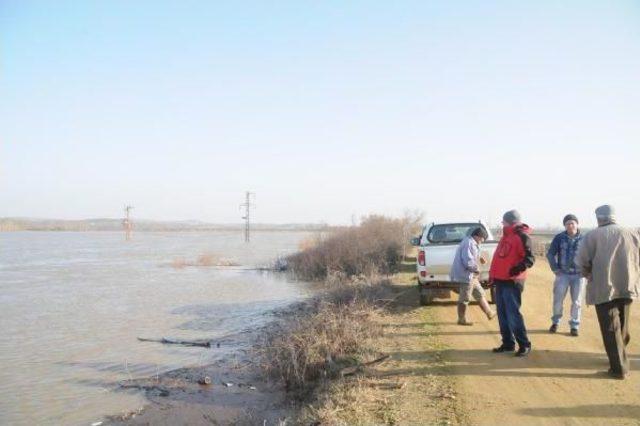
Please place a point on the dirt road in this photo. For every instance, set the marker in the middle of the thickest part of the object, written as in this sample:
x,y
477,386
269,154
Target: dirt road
x,y
561,382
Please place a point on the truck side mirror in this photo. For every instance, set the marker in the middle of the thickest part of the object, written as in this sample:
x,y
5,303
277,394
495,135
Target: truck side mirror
x,y
415,241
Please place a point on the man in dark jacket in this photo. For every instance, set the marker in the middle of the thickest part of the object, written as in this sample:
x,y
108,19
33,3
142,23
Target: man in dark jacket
x,y
508,273
561,256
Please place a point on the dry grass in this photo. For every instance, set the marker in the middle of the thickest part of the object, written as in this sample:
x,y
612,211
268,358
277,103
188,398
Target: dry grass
x,y
353,402
214,260
318,339
376,246
206,259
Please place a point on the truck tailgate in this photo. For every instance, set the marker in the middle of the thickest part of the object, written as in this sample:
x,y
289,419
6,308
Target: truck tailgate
x,y
439,258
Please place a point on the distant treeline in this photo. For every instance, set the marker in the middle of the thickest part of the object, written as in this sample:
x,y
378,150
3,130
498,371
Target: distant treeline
x,y
26,224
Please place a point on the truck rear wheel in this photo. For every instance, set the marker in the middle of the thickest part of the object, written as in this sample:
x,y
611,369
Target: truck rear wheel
x,y
426,297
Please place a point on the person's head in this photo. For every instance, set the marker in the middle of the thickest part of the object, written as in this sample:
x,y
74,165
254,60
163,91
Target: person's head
x,y
511,218
570,223
480,235
605,214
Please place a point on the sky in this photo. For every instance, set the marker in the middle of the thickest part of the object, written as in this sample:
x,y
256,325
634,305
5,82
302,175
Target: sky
x,y
328,111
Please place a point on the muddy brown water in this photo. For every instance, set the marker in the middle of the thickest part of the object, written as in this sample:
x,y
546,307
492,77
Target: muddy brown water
x,y
74,304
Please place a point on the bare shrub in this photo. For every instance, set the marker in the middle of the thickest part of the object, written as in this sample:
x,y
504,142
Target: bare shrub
x,y
206,259
179,263
319,338
214,260
376,246
337,329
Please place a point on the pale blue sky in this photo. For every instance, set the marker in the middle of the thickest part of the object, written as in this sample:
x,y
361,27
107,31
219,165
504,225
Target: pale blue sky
x,y
324,109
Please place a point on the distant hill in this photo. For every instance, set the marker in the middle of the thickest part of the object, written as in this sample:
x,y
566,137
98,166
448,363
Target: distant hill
x,y
8,224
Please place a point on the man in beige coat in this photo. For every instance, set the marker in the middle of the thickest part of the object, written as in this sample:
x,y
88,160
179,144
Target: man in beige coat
x,y
609,257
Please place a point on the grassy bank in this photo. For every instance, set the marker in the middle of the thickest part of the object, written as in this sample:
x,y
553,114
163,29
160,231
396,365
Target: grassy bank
x,y
329,352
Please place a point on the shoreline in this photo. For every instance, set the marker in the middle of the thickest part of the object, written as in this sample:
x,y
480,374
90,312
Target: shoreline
x,y
241,391
231,390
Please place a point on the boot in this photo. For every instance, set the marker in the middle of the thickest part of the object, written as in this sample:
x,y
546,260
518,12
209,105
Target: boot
x,y
462,317
484,305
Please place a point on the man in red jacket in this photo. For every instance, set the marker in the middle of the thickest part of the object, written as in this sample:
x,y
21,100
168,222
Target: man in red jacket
x,y
508,273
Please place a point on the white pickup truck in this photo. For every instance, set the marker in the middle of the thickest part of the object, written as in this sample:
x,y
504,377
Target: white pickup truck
x,y
436,249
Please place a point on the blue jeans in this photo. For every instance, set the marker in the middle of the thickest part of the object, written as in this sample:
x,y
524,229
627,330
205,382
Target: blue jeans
x,y
564,282
508,301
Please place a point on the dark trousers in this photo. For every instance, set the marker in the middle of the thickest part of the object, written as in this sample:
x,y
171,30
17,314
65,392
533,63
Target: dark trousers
x,y
508,301
613,317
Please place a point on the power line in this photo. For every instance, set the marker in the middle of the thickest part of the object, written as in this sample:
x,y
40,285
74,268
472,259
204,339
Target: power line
x,y
247,205
126,222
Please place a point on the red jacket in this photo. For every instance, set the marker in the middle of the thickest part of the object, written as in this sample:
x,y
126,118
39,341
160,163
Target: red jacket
x,y
514,255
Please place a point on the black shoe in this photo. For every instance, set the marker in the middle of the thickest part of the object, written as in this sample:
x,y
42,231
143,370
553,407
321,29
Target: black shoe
x,y
523,351
503,348
574,332
617,375
553,328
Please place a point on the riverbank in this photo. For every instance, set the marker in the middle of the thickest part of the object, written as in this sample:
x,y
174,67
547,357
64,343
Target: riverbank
x,y
344,391
323,361
436,373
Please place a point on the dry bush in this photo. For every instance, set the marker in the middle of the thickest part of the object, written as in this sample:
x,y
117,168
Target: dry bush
x,y
308,243
376,246
337,329
319,338
214,260
179,263
206,259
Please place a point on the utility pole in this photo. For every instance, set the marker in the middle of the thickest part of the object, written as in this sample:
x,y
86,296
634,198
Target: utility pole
x,y
247,215
126,223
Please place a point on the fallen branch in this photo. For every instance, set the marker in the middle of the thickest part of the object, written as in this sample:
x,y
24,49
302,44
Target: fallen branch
x,y
160,390
393,299
177,342
349,371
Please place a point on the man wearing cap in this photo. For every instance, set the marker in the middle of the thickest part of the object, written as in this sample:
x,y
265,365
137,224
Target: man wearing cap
x,y
609,257
561,256
508,273
465,270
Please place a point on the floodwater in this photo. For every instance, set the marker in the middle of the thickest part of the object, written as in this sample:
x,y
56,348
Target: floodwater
x,y
73,305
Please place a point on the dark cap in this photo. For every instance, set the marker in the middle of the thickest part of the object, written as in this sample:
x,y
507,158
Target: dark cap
x,y
511,217
605,212
569,217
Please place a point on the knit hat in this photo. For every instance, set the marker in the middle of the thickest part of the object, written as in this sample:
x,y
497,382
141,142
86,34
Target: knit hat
x,y
606,212
569,217
511,217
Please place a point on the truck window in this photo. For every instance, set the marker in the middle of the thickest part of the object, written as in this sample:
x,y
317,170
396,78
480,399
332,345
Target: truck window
x,y
451,232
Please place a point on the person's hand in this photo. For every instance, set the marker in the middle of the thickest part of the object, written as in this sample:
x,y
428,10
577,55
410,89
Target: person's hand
x,y
483,260
514,271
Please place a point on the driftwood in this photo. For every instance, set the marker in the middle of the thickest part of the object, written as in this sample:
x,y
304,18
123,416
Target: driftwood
x,y
350,371
177,342
388,386
159,390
